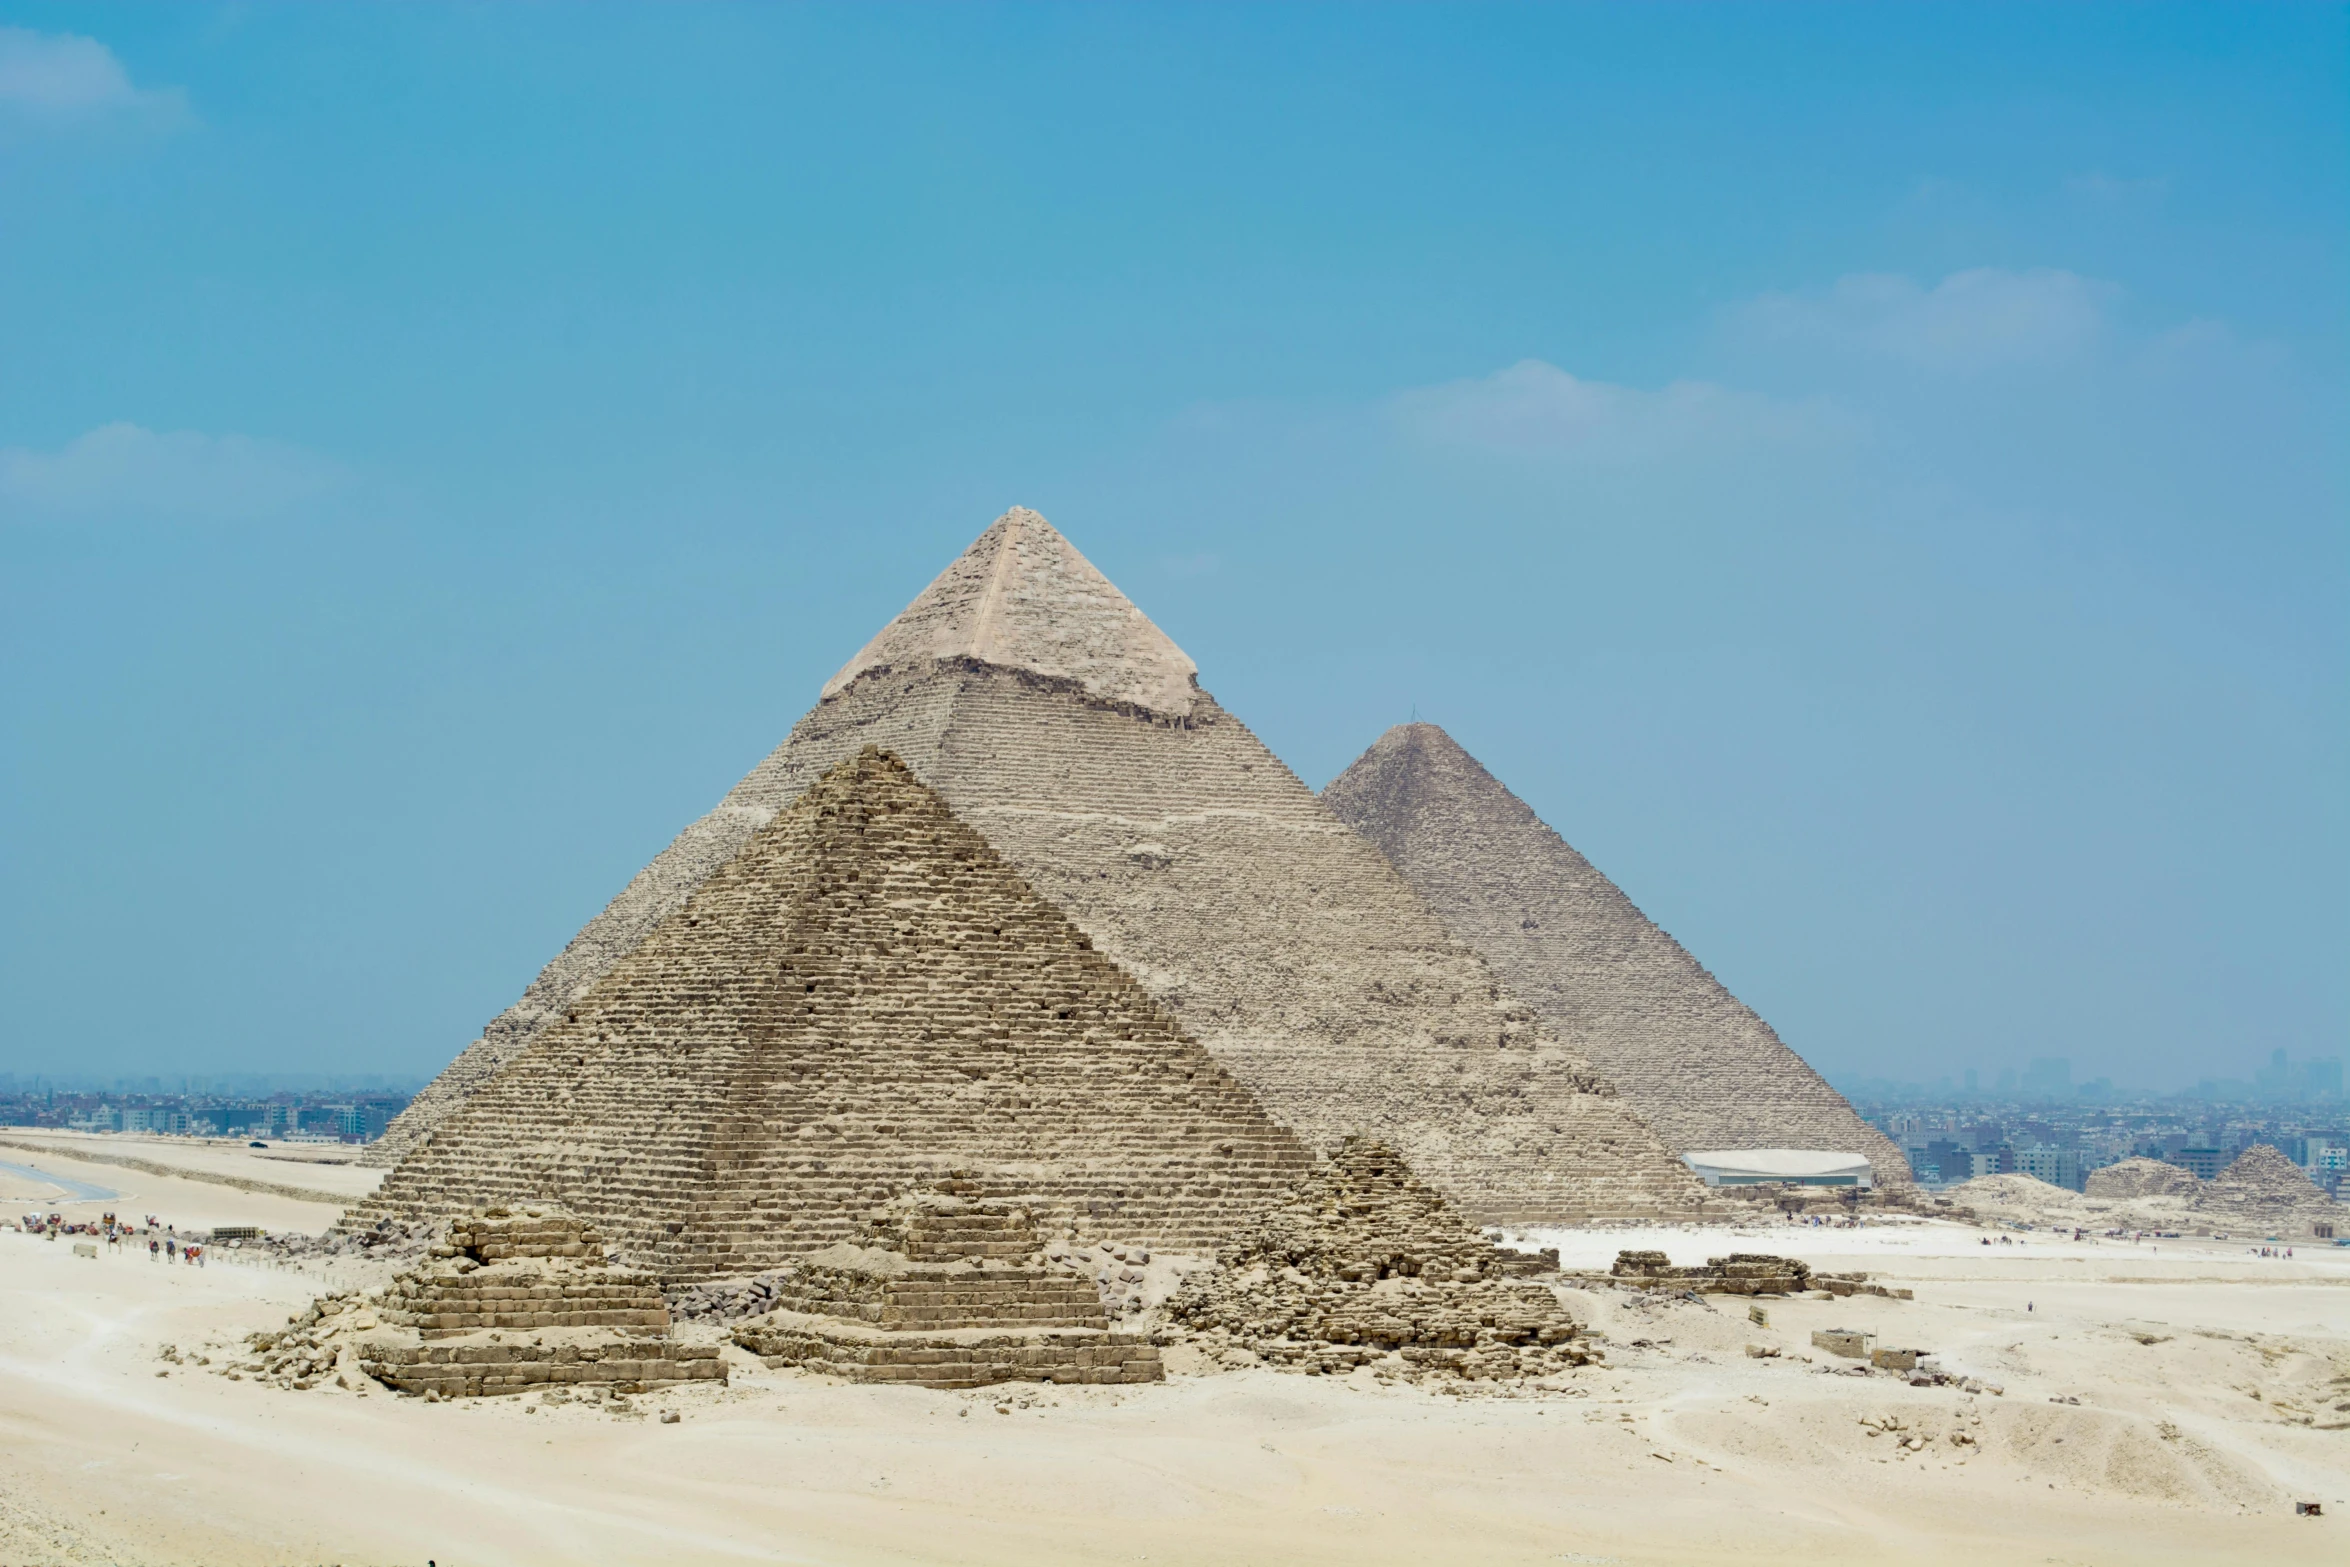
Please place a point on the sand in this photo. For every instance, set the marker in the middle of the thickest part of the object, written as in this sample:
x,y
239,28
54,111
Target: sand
x,y
2207,1380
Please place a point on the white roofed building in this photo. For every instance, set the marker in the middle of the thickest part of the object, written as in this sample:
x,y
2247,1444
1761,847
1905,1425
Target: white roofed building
x,y
1780,1167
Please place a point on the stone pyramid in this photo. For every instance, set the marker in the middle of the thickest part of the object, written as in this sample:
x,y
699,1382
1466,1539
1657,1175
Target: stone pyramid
x,y
1072,734
2141,1178
862,998
1703,1069
2265,1190
945,1291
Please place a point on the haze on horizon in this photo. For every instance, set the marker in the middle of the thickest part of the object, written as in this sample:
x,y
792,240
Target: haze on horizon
x,y
442,450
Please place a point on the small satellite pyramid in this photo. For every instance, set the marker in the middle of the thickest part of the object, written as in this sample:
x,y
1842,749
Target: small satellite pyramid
x,y
1073,735
1703,1069
2266,1191
865,1000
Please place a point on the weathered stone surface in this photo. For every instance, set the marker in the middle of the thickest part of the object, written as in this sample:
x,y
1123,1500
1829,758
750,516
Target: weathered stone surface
x,y
943,1290
2141,1178
1698,1064
2266,1191
1365,1265
513,1301
865,997
1196,861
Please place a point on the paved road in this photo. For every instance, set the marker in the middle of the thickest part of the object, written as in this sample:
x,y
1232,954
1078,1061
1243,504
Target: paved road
x,y
75,1191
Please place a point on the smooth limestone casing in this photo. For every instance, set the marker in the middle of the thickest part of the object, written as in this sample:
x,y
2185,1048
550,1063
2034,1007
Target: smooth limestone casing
x,y
1193,858
1702,1067
865,996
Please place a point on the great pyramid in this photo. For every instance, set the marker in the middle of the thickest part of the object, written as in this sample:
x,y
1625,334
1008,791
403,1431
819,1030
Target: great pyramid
x,y
862,999
1072,734
1703,1069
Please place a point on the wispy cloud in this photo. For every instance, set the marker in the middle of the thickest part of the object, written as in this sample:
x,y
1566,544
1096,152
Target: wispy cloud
x,y
1973,320
66,79
1537,408
124,471
2096,185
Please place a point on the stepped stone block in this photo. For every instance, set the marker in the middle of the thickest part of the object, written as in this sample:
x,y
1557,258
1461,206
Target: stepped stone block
x,y
1072,735
943,1290
1697,1063
864,998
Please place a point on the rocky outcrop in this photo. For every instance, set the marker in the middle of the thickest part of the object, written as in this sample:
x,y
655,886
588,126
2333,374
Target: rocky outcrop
x,y
1365,1265
1069,733
944,1290
1698,1064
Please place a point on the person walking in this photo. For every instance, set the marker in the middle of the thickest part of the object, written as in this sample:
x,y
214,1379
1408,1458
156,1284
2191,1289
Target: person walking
x,y
171,1248
154,1249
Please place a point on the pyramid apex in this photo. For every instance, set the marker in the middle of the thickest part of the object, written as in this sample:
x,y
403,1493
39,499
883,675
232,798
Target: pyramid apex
x,y
1022,597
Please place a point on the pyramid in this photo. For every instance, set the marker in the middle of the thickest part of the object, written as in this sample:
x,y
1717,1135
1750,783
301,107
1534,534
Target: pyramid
x,y
1073,736
945,1291
863,997
1703,1069
2265,1190
2141,1178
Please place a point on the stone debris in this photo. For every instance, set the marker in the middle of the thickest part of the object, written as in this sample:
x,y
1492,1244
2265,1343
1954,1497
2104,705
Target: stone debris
x,y
2134,1178
1697,1063
1070,734
512,1301
863,1000
1740,1273
1364,1265
2265,1192
944,1290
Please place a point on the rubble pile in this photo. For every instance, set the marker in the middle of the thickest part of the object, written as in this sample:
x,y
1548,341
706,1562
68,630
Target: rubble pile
x,y
1365,1266
1740,1273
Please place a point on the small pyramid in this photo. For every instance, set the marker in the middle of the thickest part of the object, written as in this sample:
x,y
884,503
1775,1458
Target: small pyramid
x,y
864,997
1022,597
945,1291
1067,731
2141,1178
2265,1190
1697,1062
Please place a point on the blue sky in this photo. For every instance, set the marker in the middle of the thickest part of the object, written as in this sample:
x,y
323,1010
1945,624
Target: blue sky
x,y
1871,477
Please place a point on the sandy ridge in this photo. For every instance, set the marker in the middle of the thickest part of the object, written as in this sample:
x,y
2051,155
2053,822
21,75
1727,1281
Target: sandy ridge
x,y
183,1172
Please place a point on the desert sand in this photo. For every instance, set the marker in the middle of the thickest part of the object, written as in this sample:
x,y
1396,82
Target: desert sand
x,y
2211,1385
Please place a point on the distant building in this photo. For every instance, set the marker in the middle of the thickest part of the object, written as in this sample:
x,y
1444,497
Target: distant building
x,y
2056,1166
2204,1162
